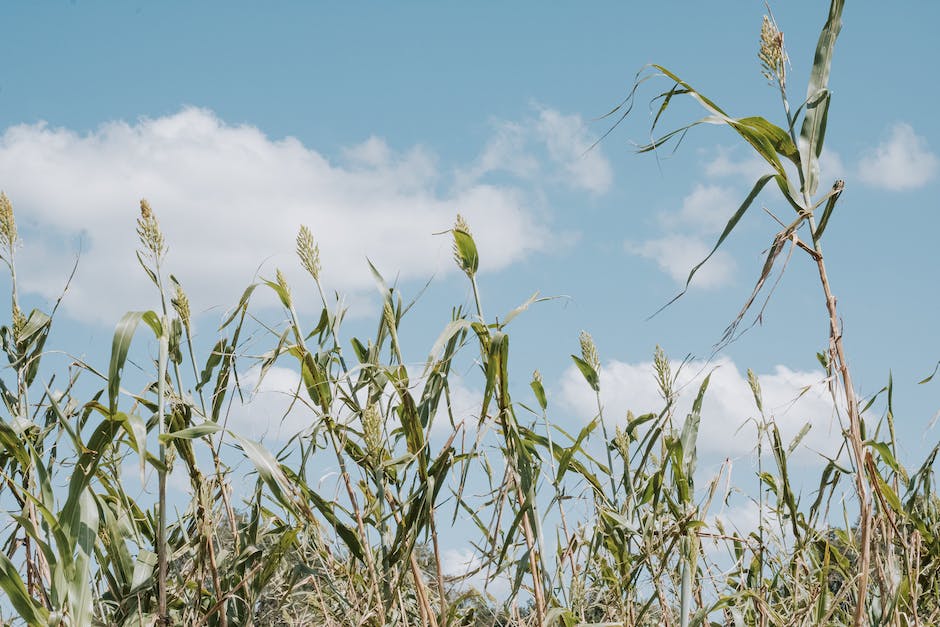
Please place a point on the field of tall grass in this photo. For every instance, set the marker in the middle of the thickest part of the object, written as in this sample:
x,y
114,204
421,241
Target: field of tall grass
x,y
603,526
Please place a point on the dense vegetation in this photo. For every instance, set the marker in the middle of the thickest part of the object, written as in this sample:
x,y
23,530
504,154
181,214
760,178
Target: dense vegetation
x,y
611,538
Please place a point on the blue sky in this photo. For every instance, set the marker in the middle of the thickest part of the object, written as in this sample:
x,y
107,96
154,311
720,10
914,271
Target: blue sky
x,y
376,123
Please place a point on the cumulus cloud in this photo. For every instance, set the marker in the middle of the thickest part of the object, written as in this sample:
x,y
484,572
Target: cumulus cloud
x,y
689,231
748,169
791,398
724,165
902,161
705,209
676,255
515,147
229,197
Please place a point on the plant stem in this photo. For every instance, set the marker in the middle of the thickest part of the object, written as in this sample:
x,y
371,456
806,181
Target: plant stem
x,y
347,481
857,446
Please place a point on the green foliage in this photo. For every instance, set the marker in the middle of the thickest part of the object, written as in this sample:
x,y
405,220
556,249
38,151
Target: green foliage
x,y
587,528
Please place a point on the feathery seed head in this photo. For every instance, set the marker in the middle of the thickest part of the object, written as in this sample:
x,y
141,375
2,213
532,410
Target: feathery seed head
x,y
19,322
7,222
372,432
460,224
309,252
622,440
388,315
772,55
181,305
148,230
282,282
663,373
589,351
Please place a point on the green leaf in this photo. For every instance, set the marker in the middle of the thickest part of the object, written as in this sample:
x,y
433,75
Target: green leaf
x,y
799,437
766,138
465,250
269,470
729,227
539,391
831,199
813,132
282,293
689,435
29,610
242,305
123,334
191,433
889,495
590,375
137,430
885,452
83,531
315,380
932,374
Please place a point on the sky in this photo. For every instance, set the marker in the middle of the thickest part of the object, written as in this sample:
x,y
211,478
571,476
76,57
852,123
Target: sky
x,y
376,123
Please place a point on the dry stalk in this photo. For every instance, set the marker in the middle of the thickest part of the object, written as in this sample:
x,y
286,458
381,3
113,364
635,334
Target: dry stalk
x,y
856,443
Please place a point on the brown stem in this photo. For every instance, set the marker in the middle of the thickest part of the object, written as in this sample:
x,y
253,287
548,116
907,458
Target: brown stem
x,y
347,482
527,533
216,583
438,566
856,444
351,494
424,605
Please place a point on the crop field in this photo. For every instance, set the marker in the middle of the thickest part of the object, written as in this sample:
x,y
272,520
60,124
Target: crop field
x,y
347,521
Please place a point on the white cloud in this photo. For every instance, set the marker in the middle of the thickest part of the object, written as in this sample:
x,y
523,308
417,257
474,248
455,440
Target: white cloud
x,y
263,413
568,143
465,563
724,165
752,167
229,197
791,398
676,255
706,209
830,165
902,161
266,411
515,148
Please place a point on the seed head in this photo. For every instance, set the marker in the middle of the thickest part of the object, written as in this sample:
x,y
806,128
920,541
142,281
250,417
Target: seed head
x,y
589,351
460,224
282,283
622,441
19,322
772,55
7,223
372,432
309,252
181,305
148,230
388,315
537,377
663,373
